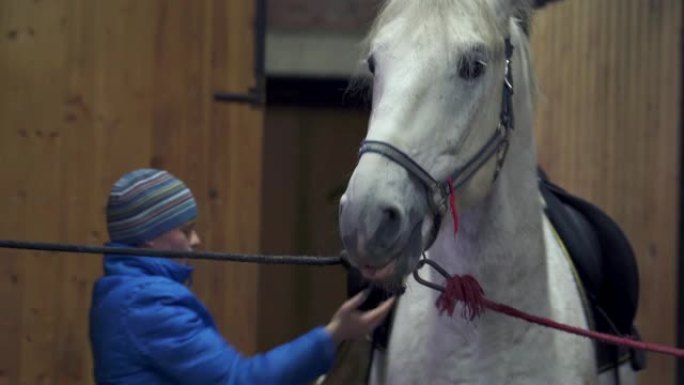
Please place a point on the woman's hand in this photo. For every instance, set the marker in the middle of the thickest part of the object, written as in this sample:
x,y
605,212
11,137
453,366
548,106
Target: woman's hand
x,y
349,322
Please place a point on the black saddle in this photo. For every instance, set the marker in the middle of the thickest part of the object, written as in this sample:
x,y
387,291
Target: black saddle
x,y
607,269
603,259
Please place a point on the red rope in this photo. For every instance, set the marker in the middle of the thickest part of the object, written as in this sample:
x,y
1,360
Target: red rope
x,y
607,338
467,290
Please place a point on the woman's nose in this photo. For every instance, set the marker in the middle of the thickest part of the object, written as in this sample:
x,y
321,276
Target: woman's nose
x,y
194,239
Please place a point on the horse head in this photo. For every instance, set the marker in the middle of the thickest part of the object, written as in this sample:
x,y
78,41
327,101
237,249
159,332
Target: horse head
x,y
441,110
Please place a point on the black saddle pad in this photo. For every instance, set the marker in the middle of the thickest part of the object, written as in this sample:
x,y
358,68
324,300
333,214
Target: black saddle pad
x,y
605,263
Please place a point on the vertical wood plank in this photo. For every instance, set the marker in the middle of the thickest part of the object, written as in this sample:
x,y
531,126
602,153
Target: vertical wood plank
x,y
234,178
95,89
608,130
308,156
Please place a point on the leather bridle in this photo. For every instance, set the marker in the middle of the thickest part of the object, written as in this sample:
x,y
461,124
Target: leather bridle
x,y
437,192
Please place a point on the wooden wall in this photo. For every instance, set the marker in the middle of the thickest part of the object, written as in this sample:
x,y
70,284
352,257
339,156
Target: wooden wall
x,y
309,154
608,130
93,89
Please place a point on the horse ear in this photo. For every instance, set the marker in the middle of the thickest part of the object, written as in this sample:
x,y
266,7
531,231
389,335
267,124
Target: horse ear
x,y
506,9
541,3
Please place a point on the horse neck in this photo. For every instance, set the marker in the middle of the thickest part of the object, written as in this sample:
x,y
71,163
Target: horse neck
x,y
500,239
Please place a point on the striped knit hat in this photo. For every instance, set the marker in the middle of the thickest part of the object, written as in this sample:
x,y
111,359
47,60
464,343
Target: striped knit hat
x,y
146,203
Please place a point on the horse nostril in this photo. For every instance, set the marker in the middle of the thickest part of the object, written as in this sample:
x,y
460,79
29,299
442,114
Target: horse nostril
x,y
391,215
387,232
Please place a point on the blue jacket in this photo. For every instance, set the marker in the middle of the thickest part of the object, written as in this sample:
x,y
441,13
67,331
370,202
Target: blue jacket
x,y
147,328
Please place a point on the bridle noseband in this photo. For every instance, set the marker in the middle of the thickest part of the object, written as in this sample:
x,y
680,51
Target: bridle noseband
x,y
438,191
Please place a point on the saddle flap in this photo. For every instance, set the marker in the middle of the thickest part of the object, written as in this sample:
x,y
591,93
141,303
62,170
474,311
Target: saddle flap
x,y
579,239
609,273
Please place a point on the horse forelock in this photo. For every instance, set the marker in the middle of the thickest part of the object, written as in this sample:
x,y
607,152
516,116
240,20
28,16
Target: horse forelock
x,y
487,18
450,26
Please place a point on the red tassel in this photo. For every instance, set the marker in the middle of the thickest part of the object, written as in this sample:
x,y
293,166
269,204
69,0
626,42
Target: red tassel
x,y
452,205
465,289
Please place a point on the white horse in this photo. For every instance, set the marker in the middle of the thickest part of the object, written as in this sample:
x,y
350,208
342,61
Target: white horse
x,y
441,108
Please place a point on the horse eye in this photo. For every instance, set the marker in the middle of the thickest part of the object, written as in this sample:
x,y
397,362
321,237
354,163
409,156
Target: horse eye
x,y
471,69
371,64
